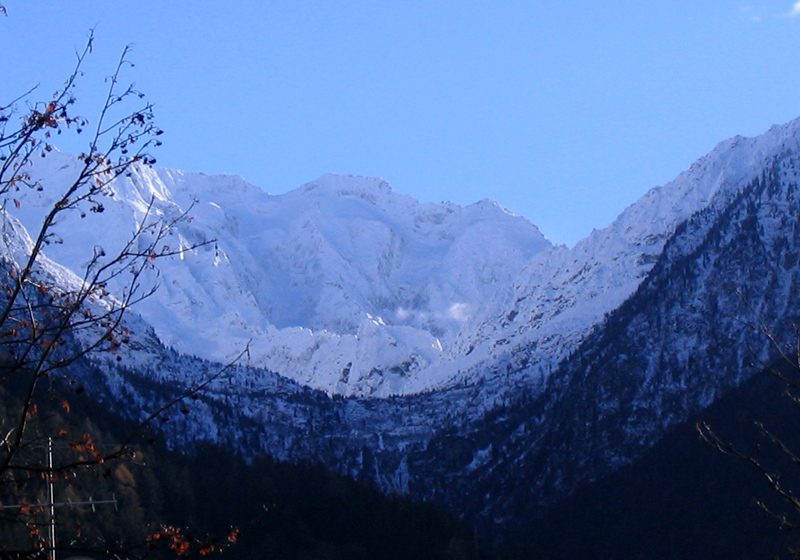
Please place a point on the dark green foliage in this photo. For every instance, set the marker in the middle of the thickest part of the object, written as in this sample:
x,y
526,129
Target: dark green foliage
x,y
304,511
682,499
283,511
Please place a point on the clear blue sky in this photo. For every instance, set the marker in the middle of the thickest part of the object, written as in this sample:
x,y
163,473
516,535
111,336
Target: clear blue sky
x,y
564,112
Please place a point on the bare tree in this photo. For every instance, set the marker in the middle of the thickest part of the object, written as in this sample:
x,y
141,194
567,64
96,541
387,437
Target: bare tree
x,y
48,327
780,467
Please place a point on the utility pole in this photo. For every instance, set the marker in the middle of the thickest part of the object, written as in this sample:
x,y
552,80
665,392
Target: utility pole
x,y
51,504
51,529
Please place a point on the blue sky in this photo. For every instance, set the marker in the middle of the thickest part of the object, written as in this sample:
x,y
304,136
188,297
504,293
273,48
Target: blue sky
x,y
564,112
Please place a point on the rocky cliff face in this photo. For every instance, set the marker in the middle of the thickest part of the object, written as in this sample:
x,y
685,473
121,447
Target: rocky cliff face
x,y
691,331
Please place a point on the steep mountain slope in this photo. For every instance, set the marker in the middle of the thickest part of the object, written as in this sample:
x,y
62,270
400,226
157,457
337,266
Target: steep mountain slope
x,y
495,381
690,333
682,499
629,380
343,284
346,286
563,293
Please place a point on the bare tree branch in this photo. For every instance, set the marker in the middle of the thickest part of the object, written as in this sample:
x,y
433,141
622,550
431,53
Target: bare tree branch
x,y
47,328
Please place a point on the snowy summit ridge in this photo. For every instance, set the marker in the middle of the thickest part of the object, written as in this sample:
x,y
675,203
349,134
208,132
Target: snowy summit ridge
x,y
526,370
342,284
347,286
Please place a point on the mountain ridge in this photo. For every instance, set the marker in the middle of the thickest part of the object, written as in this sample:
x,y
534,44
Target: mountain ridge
x,y
574,362
306,275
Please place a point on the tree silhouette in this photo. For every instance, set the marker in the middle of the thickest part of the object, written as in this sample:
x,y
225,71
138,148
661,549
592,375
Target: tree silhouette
x,y
51,321
778,460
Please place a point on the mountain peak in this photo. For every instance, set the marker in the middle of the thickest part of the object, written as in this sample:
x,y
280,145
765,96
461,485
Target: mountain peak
x,y
334,183
298,273
448,287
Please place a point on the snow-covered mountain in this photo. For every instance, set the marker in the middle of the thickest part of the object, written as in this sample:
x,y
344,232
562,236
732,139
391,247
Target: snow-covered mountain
x,y
349,287
451,352
561,294
693,330
343,284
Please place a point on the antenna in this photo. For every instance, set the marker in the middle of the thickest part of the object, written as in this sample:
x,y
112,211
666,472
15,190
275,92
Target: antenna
x,y
51,504
51,529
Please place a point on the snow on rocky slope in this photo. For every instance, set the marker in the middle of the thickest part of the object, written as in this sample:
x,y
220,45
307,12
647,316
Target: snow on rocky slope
x,y
562,294
346,286
343,284
349,287
692,331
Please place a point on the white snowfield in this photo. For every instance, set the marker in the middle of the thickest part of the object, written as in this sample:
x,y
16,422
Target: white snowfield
x,y
349,287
